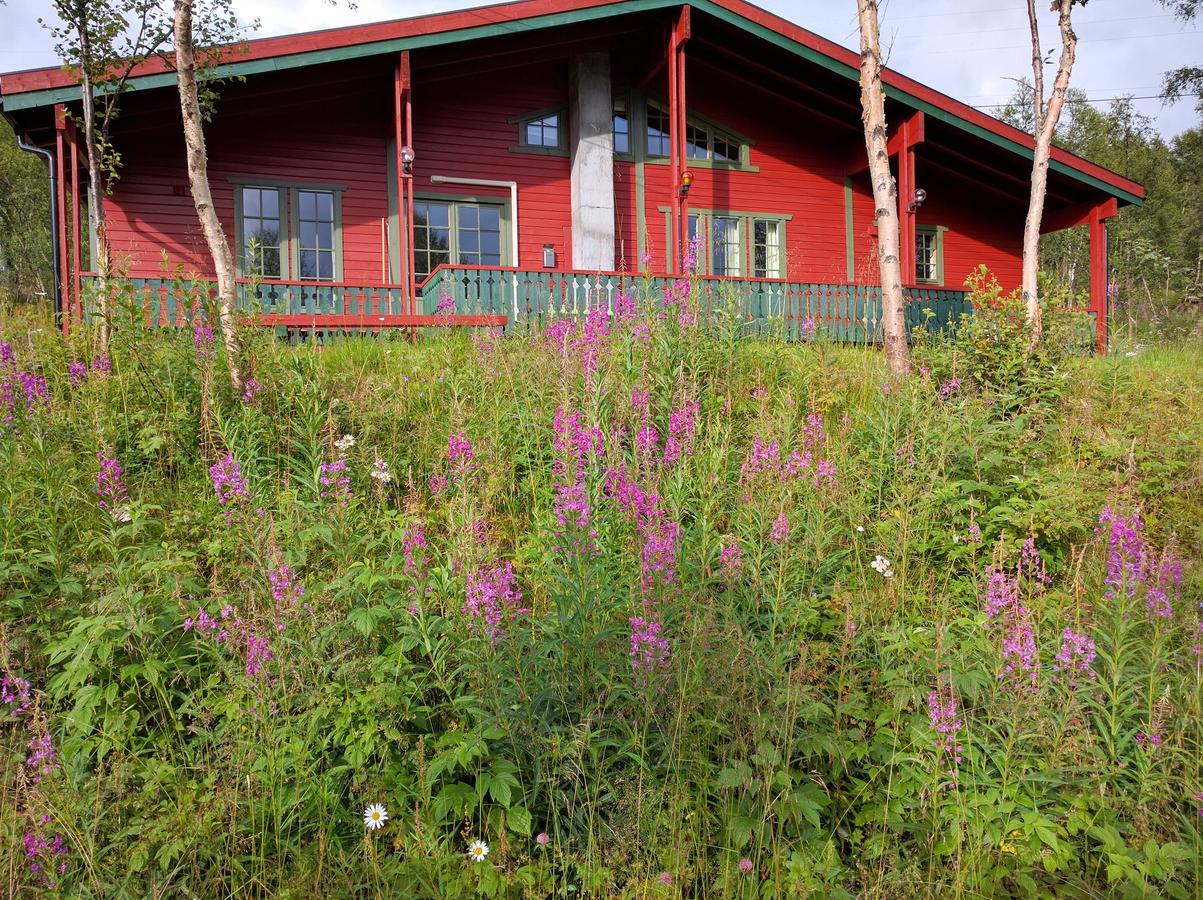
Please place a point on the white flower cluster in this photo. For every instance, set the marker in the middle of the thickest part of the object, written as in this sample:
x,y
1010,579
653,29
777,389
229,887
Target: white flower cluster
x,y
381,473
344,443
882,566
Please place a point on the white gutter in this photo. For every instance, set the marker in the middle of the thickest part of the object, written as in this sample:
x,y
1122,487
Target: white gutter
x,y
488,182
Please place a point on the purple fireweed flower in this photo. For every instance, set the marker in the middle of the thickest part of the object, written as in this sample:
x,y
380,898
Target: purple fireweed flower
x,y
21,393
493,597
558,334
335,482
413,546
15,695
42,758
975,533
649,646
626,311
647,443
1007,615
950,387
230,486
682,428
202,337
249,389
77,373
1164,580
780,530
591,342
460,458
258,654
41,853
1126,556
446,307
286,592
102,365
111,492
731,560
7,359
1076,655
944,720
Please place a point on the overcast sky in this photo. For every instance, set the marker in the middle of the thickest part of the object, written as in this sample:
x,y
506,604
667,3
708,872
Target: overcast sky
x,y
966,48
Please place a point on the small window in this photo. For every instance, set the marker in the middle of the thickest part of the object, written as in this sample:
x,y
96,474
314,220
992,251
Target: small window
x,y
697,142
261,233
658,140
726,149
542,132
766,248
621,127
929,267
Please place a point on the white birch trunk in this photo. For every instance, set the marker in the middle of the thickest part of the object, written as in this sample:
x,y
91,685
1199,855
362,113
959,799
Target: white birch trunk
x,y
1046,124
885,189
97,220
202,198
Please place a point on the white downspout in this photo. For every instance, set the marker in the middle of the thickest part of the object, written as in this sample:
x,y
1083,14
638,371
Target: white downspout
x,y
488,182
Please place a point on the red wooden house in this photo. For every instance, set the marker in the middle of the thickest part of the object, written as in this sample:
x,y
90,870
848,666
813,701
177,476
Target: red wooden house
x,y
512,155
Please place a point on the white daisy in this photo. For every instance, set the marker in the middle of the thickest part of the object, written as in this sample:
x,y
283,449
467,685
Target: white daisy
x,y
375,816
860,528
381,472
882,565
477,851
345,443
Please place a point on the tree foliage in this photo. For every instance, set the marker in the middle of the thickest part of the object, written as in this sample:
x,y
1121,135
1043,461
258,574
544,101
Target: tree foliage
x,y
25,263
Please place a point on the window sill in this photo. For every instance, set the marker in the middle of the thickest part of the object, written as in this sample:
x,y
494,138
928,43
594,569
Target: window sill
x,y
538,151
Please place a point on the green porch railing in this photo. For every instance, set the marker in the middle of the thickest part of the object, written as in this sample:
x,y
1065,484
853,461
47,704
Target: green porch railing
x,y
521,298
851,313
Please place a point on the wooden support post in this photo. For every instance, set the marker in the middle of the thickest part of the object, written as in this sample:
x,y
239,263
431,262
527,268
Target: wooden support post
x,y
906,207
407,84
60,199
1098,272
677,117
76,304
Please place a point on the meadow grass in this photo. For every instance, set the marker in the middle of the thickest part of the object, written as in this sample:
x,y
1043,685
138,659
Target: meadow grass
x,y
651,609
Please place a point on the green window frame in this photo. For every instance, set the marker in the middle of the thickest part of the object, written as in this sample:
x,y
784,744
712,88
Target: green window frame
x,y
309,244
736,244
543,131
929,254
460,231
622,127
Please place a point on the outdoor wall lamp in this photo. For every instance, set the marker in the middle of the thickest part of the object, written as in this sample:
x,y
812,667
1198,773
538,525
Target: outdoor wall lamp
x,y
920,196
686,183
407,159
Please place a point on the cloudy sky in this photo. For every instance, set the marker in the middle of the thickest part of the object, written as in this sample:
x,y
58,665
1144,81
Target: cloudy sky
x,y
966,48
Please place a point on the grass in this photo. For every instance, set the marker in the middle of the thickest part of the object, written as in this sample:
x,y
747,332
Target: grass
x,y
766,731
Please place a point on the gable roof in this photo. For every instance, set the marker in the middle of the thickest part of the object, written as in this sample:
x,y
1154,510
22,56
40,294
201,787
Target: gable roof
x,y
43,87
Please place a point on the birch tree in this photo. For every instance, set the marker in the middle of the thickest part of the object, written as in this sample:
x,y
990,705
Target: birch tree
x,y
218,26
102,42
1045,116
885,188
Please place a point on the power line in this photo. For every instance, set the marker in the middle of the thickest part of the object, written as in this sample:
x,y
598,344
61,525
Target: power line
x,y
1126,37
1026,27
1072,101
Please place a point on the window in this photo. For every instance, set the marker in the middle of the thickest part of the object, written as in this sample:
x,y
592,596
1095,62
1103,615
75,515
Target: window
x,y
734,245
929,255
261,232
315,220
621,127
725,246
703,142
766,248
461,233
542,132
289,232
658,142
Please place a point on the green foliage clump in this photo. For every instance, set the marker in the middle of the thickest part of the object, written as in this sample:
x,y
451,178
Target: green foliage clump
x,y
650,611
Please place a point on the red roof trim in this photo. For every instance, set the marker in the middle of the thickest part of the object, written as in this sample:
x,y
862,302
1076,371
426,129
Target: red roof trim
x,y
497,14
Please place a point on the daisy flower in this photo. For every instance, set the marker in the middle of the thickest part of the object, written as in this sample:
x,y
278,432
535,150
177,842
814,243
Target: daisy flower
x,y
477,851
375,816
345,443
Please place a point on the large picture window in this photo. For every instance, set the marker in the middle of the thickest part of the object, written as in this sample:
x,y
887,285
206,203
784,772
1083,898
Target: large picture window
x,y
458,232
288,231
705,142
736,245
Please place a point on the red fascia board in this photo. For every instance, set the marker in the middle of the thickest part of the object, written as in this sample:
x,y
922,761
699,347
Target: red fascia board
x,y
500,14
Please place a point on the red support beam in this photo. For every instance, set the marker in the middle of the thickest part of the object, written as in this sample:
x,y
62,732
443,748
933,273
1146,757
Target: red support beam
x,y
60,199
1098,270
76,305
403,137
676,138
906,134
1077,214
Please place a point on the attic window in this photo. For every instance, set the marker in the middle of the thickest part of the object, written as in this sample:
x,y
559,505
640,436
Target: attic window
x,y
542,132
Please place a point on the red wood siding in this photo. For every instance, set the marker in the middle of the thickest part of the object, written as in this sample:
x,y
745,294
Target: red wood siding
x,y
335,131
